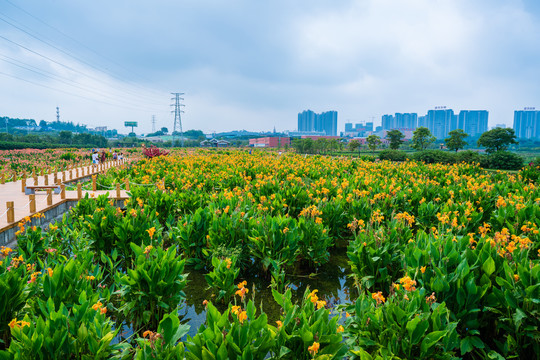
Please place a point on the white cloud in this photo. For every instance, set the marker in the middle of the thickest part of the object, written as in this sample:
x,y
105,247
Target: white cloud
x,y
254,65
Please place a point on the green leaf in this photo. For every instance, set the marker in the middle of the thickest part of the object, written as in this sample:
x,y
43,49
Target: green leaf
x,y
495,355
489,266
466,345
416,328
431,339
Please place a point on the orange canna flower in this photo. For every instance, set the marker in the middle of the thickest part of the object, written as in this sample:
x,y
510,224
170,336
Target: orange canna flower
x,y
151,232
148,249
314,349
13,323
378,296
242,316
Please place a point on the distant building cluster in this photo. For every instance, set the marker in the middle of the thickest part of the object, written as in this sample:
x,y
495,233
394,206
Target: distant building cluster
x,y
323,124
527,123
272,142
401,121
358,130
440,121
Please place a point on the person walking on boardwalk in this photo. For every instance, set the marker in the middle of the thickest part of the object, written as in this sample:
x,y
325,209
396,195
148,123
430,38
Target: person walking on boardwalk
x,y
95,157
103,156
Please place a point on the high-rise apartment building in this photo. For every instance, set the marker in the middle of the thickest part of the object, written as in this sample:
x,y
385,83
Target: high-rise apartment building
x,y
473,122
407,121
441,121
388,122
527,123
326,122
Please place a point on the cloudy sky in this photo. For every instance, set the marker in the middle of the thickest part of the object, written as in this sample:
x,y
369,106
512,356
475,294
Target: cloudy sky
x,y
255,64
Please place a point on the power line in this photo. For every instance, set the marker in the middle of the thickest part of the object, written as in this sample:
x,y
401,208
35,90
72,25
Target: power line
x,y
61,79
84,46
63,65
68,93
52,60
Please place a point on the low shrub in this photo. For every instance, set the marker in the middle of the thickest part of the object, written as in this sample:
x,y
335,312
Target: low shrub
x,y
435,156
393,155
468,156
503,160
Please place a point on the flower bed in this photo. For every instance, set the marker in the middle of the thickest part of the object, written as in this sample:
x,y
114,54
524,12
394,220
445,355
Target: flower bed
x,y
445,261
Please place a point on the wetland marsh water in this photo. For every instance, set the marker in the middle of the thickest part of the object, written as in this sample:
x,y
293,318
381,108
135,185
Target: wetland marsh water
x,y
332,282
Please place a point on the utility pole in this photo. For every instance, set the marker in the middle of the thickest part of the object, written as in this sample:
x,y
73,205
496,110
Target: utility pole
x,y
153,123
177,116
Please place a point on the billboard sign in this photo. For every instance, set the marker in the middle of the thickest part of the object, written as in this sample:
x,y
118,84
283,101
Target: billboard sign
x,y
130,123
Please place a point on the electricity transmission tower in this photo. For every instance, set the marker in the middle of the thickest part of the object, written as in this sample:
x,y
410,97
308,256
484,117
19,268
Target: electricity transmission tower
x,y
153,123
177,116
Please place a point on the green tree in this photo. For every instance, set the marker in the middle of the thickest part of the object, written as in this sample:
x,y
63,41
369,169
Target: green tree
x,y
395,137
194,134
333,144
422,138
497,139
303,146
353,145
321,145
455,141
373,142
65,137
164,130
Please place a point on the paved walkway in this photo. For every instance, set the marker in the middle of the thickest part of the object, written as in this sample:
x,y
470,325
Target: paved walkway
x,y
13,191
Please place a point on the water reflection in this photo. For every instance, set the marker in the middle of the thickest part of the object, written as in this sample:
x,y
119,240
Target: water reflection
x,y
331,280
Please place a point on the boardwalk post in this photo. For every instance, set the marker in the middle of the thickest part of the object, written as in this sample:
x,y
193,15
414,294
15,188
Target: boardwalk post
x,y
70,174
94,187
32,203
46,179
127,185
11,212
77,172
55,177
3,179
62,191
79,191
23,184
35,180
49,196
118,190
63,176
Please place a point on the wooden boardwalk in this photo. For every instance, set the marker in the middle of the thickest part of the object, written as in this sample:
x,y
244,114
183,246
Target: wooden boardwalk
x,y
13,192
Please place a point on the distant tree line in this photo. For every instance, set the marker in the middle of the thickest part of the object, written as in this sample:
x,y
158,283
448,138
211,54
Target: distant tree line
x,y
319,146
495,141
63,138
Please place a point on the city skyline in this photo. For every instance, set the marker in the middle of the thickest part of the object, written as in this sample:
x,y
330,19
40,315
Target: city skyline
x,y
324,123
246,65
